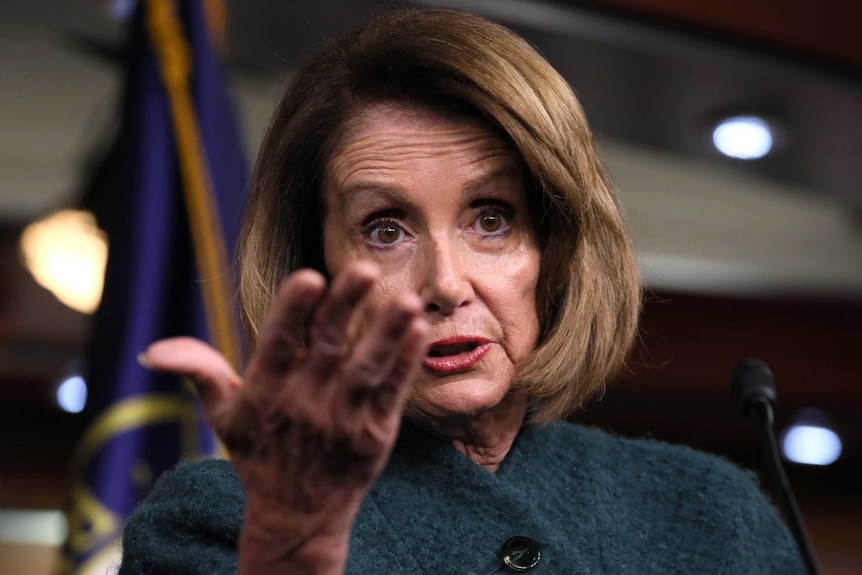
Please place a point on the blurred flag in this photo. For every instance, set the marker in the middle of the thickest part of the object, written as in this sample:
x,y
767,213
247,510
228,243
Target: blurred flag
x,y
176,204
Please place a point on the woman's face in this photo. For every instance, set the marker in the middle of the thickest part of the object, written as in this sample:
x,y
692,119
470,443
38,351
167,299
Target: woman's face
x,y
440,205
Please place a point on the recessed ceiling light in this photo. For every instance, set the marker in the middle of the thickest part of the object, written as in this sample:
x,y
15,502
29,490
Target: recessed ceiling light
x,y
811,444
743,137
72,394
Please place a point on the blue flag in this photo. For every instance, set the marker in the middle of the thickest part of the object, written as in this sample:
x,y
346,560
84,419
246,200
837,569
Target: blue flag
x,y
174,217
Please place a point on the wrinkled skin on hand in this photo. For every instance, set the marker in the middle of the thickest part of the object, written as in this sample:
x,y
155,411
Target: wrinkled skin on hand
x,y
314,421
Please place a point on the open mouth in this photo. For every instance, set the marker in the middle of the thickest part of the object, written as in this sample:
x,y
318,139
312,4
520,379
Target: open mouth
x,y
456,354
442,350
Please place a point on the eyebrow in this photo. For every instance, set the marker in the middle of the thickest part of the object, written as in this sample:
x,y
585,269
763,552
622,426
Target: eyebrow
x,y
512,172
394,192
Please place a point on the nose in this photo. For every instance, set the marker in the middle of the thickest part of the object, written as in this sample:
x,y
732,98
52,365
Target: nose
x,y
445,285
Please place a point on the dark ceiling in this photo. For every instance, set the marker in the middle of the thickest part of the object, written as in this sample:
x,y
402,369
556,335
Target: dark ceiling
x,y
657,72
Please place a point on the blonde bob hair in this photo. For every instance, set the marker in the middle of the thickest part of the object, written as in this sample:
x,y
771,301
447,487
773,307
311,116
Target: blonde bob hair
x,y
452,61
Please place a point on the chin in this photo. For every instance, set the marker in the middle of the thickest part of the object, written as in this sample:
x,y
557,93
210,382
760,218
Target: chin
x,y
465,397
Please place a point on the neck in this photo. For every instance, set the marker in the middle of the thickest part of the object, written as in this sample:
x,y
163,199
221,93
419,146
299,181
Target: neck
x,y
485,438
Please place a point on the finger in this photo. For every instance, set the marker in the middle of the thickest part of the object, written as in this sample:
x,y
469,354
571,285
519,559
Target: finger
x,y
386,402
215,380
283,332
328,334
377,352
388,399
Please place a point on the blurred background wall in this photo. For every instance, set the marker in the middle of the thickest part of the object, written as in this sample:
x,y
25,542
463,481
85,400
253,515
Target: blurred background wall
x,y
741,257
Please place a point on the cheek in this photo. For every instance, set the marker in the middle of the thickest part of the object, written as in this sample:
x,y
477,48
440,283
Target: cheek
x,y
387,288
379,299
512,289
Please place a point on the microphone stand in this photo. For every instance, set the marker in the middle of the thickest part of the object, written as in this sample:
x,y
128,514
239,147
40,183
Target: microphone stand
x,y
760,412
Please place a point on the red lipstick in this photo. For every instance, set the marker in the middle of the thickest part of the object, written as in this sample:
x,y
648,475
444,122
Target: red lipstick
x,y
454,354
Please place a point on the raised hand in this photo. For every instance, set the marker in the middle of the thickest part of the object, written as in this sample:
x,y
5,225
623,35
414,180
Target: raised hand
x,y
314,421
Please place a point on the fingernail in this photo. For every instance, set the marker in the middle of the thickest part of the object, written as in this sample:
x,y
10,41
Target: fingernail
x,y
142,361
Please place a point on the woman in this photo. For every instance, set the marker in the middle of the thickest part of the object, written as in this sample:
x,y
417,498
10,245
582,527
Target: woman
x,y
473,276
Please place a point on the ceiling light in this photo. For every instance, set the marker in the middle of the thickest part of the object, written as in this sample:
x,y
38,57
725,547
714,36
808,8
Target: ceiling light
x,y
72,394
743,137
811,444
66,253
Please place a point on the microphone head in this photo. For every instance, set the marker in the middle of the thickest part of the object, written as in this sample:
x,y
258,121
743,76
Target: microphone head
x,y
751,379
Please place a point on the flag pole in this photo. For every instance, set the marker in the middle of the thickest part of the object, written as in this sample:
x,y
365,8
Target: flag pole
x,y
174,63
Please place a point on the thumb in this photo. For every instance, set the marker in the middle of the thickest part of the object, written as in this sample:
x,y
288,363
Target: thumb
x,y
215,380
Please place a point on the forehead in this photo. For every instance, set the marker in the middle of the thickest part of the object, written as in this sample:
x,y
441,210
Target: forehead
x,y
387,138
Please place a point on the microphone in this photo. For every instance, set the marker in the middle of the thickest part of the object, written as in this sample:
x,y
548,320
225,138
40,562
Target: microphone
x,y
752,386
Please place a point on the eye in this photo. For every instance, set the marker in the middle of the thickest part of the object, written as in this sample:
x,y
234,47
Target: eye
x,y
493,219
383,229
386,233
490,222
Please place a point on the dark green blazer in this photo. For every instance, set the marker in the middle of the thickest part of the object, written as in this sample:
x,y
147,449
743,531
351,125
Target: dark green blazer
x,y
593,503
